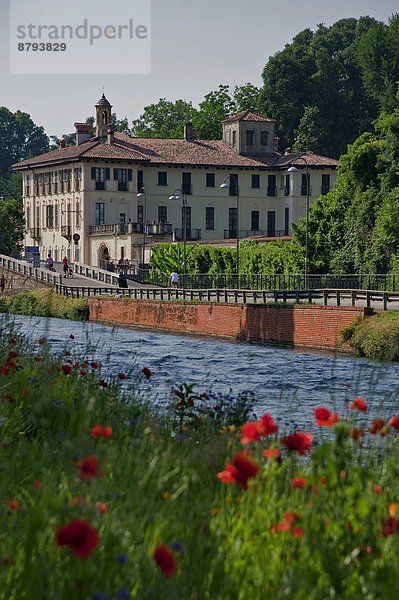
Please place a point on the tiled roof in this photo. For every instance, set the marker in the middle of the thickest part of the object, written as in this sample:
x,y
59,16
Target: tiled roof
x,y
211,153
249,115
313,160
104,102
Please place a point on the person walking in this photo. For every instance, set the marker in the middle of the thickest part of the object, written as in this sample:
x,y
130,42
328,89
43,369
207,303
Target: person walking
x,y
174,279
65,265
3,282
50,262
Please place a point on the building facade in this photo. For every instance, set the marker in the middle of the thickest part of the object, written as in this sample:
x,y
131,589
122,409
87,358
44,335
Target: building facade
x,y
113,196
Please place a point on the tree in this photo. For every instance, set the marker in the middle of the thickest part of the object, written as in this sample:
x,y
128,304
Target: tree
x,y
309,132
164,120
19,138
12,227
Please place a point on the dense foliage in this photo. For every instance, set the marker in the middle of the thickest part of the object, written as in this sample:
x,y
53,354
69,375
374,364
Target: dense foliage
x,y
12,227
102,498
45,303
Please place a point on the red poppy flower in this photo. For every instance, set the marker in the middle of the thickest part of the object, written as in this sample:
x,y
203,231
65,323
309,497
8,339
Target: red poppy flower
x,y
8,398
66,369
356,434
121,376
298,442
80,536
41,341
390,526
103,383
290,524
101,507
38,485
89,467
12,342
394,422
101,431
146,371
377,489
242,469
299,482
10,363
267,425
13,505
4,371
358,404
94,365
38,358
250,433
324,417
12,354
165,560
378,427
271,453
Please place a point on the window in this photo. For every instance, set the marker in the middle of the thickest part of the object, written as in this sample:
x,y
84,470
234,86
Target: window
x,y
77,214
27,185
27,217
186,183
255,181
162,178
287,186
56,212
77,175
37,224
286,221
250,136
55,182
271,185
140,180
122,176
305,184
233,185
67,180
232,223
255,220
210,180
271,223
100,213
140,213
122,217
100,175
162,214
263,138
209,218
325,184
234,138
49,217
186,216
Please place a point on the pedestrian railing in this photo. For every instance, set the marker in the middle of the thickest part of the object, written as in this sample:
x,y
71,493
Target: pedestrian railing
x,y
28,270
334,297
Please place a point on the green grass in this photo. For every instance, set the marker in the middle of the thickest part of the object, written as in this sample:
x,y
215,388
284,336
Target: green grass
x,y
376,337
157,484
45,303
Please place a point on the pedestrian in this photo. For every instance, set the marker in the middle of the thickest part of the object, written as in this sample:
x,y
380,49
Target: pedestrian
x,y
65,265
50,262
3,282
174,279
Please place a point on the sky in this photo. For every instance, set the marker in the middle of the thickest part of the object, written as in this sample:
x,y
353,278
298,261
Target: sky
x,y
195,46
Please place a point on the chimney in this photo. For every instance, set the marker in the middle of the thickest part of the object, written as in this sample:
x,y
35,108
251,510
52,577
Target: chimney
x,y
110,134
82,133
276,141
189,132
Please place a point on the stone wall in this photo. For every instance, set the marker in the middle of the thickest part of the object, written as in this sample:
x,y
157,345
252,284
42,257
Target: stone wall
x,y
307,325
16,282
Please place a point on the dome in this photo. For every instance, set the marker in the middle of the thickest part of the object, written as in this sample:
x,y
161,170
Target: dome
x,y
103,102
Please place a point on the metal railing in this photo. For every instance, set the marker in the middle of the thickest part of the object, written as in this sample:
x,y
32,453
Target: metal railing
x,y
191,234
353,298
28,270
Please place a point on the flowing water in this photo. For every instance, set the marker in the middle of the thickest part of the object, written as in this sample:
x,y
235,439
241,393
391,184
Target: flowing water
x,y
288,383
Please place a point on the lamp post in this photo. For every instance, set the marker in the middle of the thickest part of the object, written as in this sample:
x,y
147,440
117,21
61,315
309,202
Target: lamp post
x,y
178,193
143,194
293,169
225,186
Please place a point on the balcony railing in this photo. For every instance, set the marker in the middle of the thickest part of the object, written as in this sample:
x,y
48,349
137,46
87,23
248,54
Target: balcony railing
x,y
230,234
187,189
271,190
129,228
159,229
191,234
66,232
286,190
35,233
304,190
325,189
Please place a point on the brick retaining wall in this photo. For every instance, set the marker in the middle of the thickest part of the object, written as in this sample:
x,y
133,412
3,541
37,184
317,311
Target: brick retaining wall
x,y
294,325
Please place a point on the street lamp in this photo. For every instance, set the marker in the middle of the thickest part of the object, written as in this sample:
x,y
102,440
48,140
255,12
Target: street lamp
x,y
293,169
143,194
225,186
178,193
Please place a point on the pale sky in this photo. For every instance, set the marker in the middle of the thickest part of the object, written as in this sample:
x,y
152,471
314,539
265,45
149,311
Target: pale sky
x,y
196,45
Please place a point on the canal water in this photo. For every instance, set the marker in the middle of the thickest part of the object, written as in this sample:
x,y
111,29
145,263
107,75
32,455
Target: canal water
x,y
287,383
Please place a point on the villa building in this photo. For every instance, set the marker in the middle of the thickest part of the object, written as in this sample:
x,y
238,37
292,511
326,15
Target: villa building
x,y
113,196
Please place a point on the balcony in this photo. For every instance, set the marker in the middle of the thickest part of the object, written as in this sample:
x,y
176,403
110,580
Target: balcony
x,y
271,190
187,189
286,190
115,229
159,229
66,232
191,234
304,190
325,189
131,228
230,234
34,233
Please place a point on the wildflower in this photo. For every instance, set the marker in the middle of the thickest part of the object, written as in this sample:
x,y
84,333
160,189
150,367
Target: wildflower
x,y
94,365
146,371
394,422
8,398
103,383
298,442
89,467
66,369
356,434
167,496
12,342
41,341
289,523
121,559
358,404
165,560
77,501
177,546
299,482
80,536
215,511
267,425
242,469
271,453
378,427
12,354
323,480
393,509
390,526
38,485
250,433
38,358
101,431
121,376
377,489
13,505
123,594
101,507
324,417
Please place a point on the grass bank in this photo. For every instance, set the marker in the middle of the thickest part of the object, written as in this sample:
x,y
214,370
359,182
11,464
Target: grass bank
x,y
376,337
103,499
45,303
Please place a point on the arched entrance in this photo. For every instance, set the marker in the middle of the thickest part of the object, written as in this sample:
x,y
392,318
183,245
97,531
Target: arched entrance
x,y
103,256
